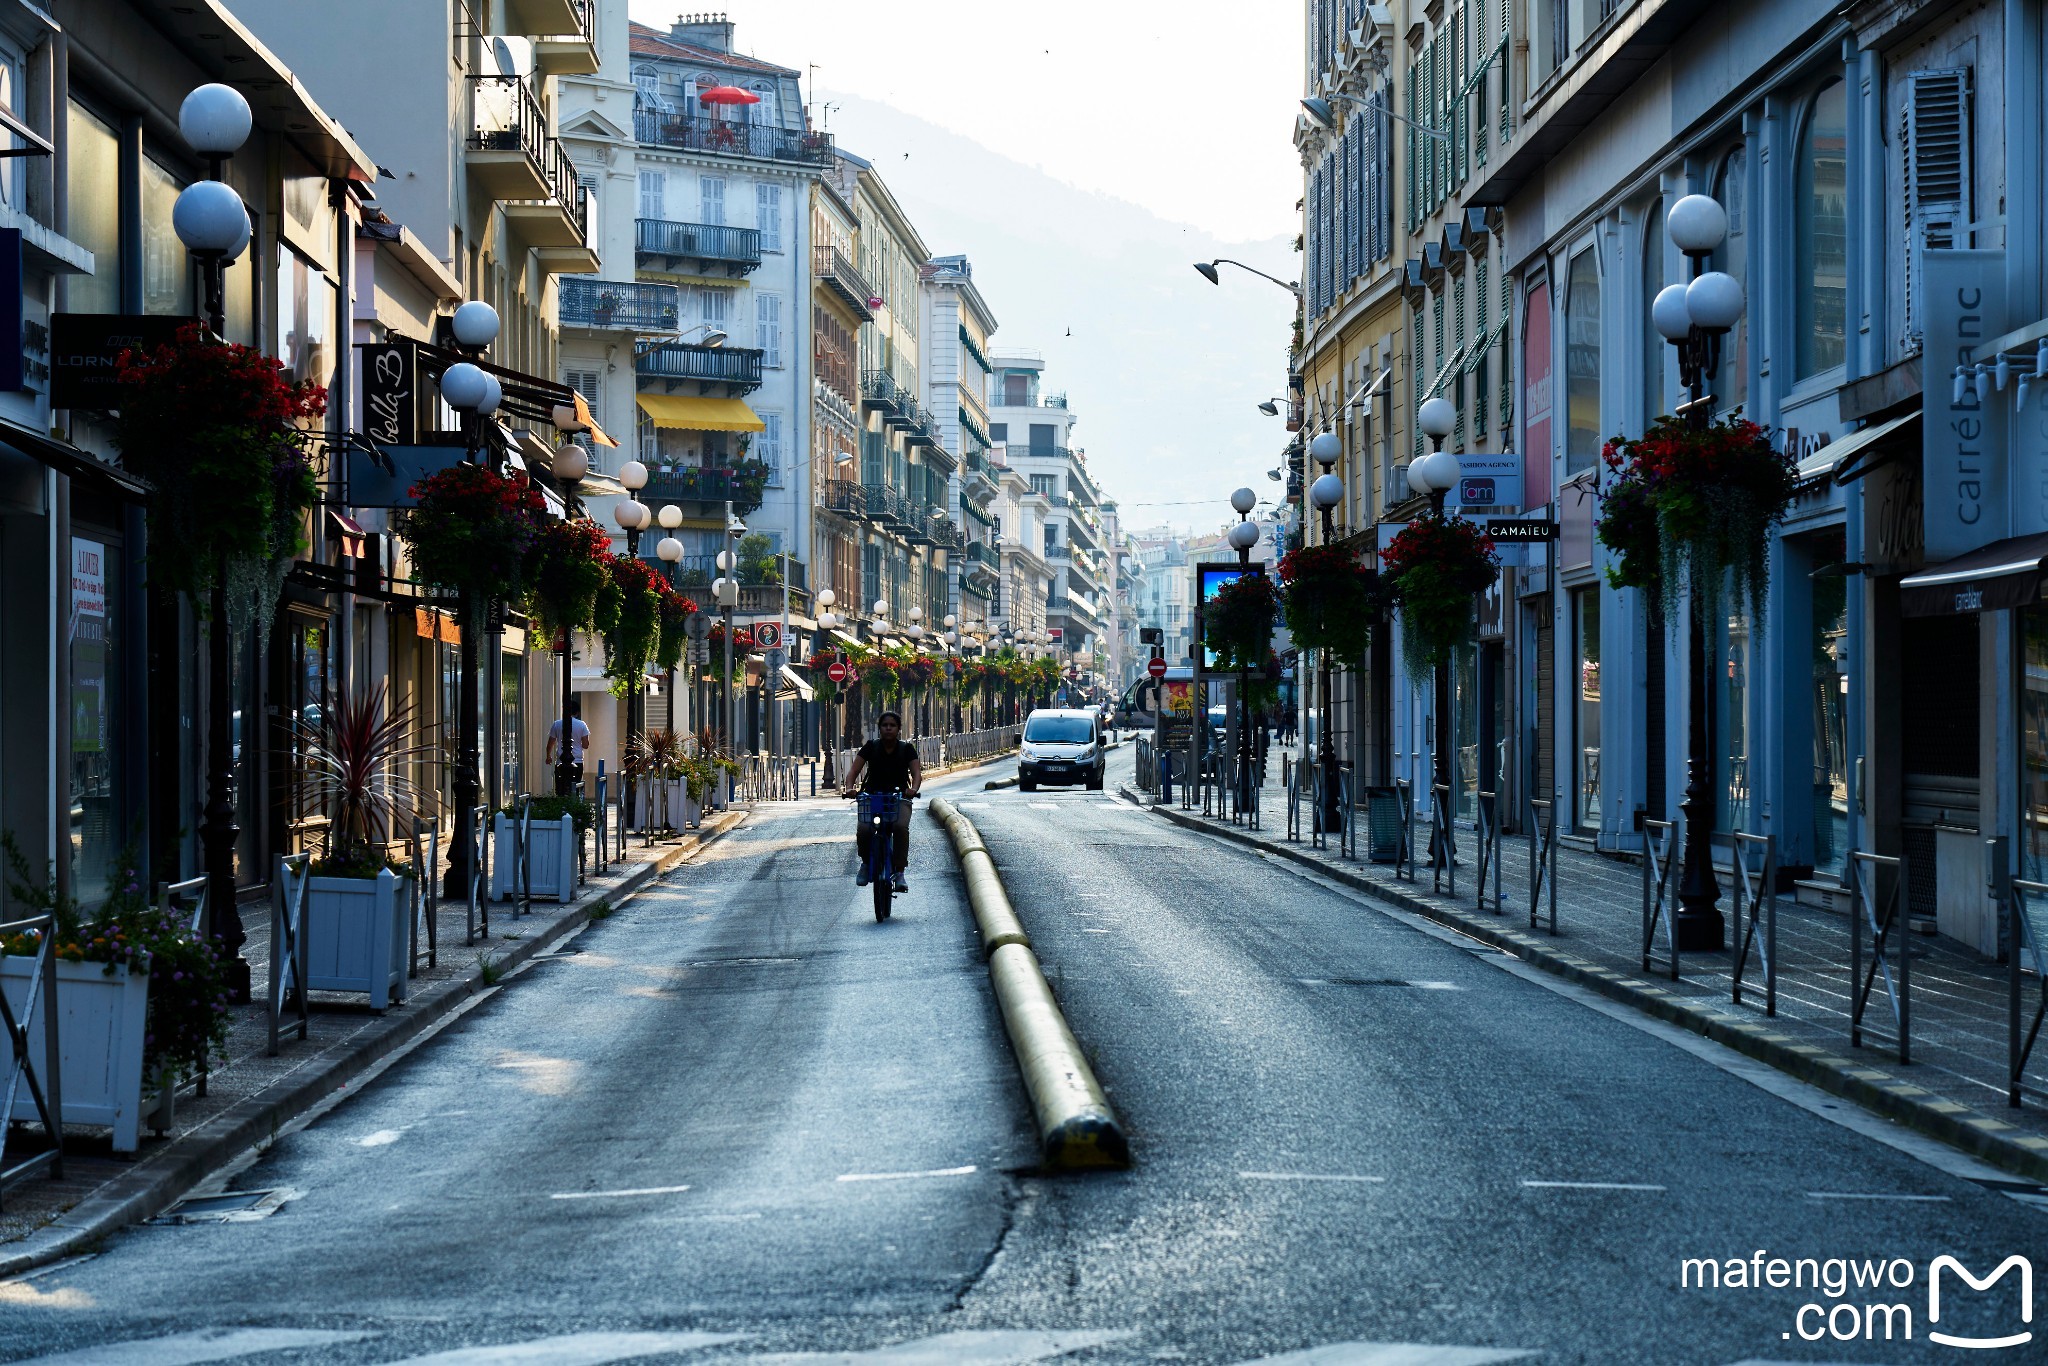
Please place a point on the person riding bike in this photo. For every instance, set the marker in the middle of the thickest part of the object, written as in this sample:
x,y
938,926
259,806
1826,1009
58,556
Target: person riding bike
x,y
887,764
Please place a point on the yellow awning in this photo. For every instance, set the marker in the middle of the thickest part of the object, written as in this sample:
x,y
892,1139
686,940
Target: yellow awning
x,y
698,413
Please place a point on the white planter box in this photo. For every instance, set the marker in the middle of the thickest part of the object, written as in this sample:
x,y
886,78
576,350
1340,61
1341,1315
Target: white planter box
x,y
553,850
692,810
356,935
659,804
100,1030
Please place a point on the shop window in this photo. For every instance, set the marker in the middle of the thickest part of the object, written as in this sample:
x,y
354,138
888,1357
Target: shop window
x,y
511,773
1656,401
167,275
1731,719
1831,714
1465,734
1820,234
94,204
2033,835
1586,718
305,320
1582,363
1731,373
97,837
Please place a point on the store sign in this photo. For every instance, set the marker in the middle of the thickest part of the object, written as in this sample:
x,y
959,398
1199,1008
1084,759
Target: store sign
x,y
383,478
1536,398
1488,483
390,393
1963,442
85,353
89,719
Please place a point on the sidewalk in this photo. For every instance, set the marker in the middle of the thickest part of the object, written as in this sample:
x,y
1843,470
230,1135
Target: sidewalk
x,y
1954,1089
251,1098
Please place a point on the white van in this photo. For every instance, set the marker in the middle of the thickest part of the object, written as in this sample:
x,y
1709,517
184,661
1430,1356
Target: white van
x,y
1062,747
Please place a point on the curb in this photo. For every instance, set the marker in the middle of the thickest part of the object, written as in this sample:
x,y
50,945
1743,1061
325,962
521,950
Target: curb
x,y
994,783
1878,1091
1076,1126
160,1179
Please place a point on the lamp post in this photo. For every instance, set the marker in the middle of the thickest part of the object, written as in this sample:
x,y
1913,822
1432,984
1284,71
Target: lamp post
x,y
212,222
1242,538
670,550
729,601
1326,493
633,517
1434,476
572,462
1209,273
1694,317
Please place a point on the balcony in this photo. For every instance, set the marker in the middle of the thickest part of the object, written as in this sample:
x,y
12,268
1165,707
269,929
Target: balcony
x,y
675,363
697,486
880,392
696,133
570,51
697,571
836,273
560,224
509,147
888,507
981,555
662,245
545,18
943,533
847,497
619,305
977,476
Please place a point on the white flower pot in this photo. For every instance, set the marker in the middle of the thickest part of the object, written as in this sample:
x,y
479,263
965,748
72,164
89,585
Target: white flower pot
x,y
692,809
659,804
552,848
100,1030
356,935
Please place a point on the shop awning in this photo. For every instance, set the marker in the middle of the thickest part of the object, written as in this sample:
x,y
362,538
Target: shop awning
x,y
68,459
1858,453
794,687
699,413
2003,574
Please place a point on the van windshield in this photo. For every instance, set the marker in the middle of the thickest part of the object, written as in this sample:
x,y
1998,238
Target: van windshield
x,y
1059,730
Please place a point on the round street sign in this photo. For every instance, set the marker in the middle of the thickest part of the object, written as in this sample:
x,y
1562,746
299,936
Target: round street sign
x,y
837,671
697,626
767,634
1156,666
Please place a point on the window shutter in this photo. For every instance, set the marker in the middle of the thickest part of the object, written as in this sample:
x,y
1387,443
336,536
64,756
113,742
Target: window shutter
x,y
768,215
768,447
654,194
768,329
1937,146
712,190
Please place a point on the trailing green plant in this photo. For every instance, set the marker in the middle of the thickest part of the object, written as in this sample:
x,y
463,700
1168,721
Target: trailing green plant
x,y
553,808
676,611
358,765
472,531
1435,567
629,646
217,431
1330,601
570,587
1237,622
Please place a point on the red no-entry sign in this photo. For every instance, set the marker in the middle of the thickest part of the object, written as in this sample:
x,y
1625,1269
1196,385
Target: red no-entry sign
x,y
1156,666
837,672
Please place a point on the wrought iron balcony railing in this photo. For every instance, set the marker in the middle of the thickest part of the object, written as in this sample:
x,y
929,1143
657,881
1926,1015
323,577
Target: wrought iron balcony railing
x,y
879,389
507,117
985,555
698,133
838,274
624,304
674,361
847,497
693,486
658,237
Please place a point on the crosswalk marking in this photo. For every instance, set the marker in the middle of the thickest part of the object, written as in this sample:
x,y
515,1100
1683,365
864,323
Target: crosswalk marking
x,y
189,1349
571,1349
906,1176
1392,1354
956,1349
1043,806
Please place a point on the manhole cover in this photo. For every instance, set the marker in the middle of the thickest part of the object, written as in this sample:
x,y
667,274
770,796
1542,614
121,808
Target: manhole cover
x,y
228,1207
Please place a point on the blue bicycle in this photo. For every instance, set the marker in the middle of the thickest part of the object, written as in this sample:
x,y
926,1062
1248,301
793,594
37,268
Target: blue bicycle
x,y
880,869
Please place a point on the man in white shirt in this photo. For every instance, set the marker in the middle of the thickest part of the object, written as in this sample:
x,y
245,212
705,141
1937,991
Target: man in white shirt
x,y
579,739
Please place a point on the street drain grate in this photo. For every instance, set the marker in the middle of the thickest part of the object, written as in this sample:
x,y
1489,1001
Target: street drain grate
x,y
229,1207
1378,982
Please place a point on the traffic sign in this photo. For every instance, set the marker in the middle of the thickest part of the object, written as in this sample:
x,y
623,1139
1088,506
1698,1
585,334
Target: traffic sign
x,y
777,661
767,634
837,671
697,626
1156,666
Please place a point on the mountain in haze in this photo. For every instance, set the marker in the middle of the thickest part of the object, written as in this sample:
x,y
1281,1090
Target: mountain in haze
x,y
1162,369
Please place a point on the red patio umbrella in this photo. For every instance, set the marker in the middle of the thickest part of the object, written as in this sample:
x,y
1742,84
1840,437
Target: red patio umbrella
x,y
727,94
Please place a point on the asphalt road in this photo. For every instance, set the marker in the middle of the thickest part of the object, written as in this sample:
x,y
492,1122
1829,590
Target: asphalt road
x,y
740,1119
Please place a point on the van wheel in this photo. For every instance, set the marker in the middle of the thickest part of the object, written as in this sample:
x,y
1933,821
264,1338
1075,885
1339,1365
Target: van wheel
x,y
1095,784
1023,786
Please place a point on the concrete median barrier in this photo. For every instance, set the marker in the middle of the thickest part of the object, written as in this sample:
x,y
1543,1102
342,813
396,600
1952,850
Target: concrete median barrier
x,y
1076,1126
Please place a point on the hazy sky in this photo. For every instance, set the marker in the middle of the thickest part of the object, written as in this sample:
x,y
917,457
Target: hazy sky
x,y
1182,106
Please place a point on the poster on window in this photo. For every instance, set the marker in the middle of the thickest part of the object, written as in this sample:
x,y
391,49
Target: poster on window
x,y
88,635
1963,436
1536,398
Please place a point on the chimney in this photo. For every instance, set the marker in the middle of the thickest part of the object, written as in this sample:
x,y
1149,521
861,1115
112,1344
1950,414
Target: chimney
x,y
712,31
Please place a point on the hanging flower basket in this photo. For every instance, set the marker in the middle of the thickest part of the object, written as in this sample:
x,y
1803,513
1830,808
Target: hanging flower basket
x,y
630,644
821,681
1433,569
1696,509
1330,601
473,531
571,587
215,428
1237,623
879,676
676,611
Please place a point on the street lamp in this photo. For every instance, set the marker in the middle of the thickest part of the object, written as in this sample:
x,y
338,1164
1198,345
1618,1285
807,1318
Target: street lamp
x,y
1324,116
670,551
570,464
1209,273
211,221
1326,493
633,517
1694,317
1242,538
1434,475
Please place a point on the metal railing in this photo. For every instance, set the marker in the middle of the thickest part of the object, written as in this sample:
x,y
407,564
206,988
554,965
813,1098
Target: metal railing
x,y
689,361
45,1076
879,389
479,914
697,242
1542,859
1756,908
426,894
1660,842
626,304
1883,914
1404,863
506,116
836,272
698,133
847,497
1489,851
2024,925
289,953
1443,843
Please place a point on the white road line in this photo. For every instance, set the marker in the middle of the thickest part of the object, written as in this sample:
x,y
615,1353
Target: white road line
x,y
608,1195
571,1349
956,1349
1095,931
381,1138
188,1349
1393,1354
1043,806
1908,1199
1309,1176
907,1176
1589,1186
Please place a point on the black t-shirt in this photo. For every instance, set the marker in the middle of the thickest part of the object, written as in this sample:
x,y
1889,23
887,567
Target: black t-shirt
x,y
885,770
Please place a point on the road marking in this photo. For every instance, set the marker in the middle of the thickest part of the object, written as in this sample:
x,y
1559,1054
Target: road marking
x,y
1907,1199
906,1176
1393,1354
956,1349
380,1138
1088,931
608,1195
571,1349
188,1349
1589,1186
1309,1176
1043,806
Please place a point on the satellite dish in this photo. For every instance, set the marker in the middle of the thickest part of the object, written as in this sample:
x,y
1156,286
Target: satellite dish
x,y
512,56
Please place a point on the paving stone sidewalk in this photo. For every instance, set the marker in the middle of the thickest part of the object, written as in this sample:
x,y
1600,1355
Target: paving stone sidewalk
x,y
1954,1088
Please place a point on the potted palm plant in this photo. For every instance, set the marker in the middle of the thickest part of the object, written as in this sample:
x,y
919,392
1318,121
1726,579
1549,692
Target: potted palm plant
x,y
358,895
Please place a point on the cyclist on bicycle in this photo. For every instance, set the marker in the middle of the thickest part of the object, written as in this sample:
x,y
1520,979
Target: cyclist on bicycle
x,y
886,764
